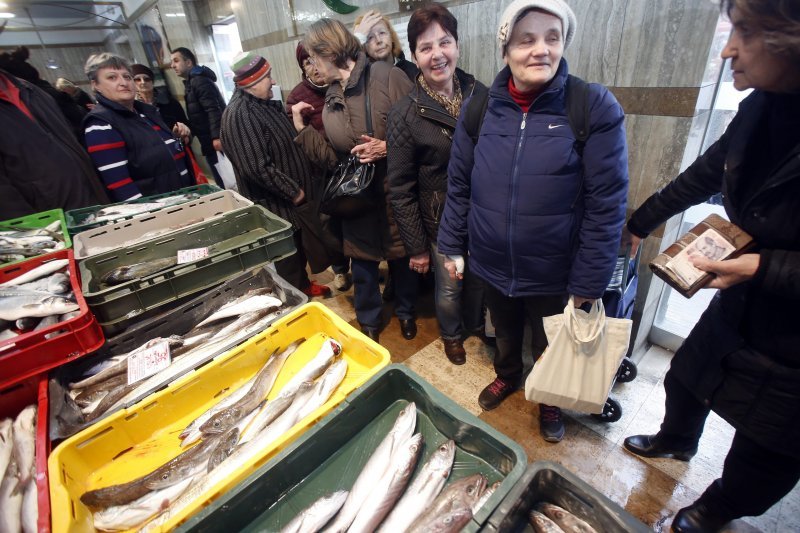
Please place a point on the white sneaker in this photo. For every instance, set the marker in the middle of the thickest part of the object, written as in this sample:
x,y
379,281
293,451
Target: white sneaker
x,y
342,282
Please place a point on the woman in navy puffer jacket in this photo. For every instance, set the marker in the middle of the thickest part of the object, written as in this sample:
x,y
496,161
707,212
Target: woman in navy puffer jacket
x,y
539,221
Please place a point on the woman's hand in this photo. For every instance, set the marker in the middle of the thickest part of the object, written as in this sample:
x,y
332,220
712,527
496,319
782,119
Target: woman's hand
x,y
630,238
297,115
300,198
420,263
370,150
366,24
217,145
729,272
182,130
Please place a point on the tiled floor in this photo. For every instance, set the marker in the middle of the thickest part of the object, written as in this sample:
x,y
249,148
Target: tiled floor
x,y
650,489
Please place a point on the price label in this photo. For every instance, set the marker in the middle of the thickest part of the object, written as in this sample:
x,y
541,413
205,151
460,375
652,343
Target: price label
x,y
187,256
148,361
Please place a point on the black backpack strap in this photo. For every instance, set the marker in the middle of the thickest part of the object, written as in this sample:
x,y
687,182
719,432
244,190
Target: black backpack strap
x,y
577,103
474,113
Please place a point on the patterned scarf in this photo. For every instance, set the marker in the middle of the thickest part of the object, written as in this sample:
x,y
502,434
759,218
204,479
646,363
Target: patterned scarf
x,y
451,105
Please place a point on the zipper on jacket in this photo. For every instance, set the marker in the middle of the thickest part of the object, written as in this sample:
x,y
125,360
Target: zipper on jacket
x,y
510,220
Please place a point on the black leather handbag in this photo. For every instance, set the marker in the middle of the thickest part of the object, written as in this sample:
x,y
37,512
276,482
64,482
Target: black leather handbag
x,y
349,191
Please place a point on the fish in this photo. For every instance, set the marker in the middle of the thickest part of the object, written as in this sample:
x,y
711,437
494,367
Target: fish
x,y
94,393
223,449
30,508
324,388
315,516
110,213
565,520
240,307
265,379
18,304
48,321
452,509
283,423
192,434
313,369
59,283
27,323
25,442
35,273
423,490
6,445
10,500
271,411
109,400
542,524
172,472
125,273
375,467
485,497
390,487
139,511
7,334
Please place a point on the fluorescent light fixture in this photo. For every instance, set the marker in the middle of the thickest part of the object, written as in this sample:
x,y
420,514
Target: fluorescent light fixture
x,y
52,65
7,15
3,5
176,14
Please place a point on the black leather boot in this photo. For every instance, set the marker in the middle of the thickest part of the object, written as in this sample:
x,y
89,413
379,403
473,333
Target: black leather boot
x,y
654,446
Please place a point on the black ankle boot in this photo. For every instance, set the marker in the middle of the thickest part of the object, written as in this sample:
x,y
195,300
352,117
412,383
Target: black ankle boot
x,y
654,446
697,519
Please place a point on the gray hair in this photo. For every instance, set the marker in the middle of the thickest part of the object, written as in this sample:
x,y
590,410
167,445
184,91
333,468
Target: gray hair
x,y
63,83
104,60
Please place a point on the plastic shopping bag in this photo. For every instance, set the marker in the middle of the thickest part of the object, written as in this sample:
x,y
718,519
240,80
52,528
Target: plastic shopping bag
x,y
225,169
584,351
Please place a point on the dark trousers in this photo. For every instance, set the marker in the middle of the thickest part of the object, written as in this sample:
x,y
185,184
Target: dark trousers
x,y
212,161
753,477
367,294
508,316
293,268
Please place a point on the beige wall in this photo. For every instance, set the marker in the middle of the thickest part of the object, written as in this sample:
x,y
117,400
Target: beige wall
x,y
651,53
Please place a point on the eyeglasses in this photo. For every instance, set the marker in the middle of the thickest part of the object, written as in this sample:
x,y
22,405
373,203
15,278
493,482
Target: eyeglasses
x,y
312,60
141,78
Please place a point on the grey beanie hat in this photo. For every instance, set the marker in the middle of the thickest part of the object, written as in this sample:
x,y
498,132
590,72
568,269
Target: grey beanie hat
x,y
559,8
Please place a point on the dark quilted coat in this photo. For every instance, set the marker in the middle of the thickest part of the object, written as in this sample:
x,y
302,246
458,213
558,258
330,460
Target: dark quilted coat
x,y
742,359
420,136
204,105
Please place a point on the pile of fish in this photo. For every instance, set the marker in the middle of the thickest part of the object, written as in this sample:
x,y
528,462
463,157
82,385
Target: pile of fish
x,y
104,387
550,518
17,243
37,299
125,273
18,500
380,500
115,212
224,438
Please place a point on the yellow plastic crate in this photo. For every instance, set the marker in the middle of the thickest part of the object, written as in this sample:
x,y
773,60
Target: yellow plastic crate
x,y
137,440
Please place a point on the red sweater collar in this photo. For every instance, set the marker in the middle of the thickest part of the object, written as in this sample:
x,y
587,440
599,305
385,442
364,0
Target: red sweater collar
x,y
523,99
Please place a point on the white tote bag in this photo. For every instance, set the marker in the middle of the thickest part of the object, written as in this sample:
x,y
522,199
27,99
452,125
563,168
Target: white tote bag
x,y
225,169
584,351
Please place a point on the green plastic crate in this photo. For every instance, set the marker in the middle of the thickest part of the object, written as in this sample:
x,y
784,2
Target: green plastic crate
x,y
76,218
245,239
37,220
330,455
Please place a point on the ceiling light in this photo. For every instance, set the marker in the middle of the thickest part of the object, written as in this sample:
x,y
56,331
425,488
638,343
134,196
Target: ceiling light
x,y
7,15
176,14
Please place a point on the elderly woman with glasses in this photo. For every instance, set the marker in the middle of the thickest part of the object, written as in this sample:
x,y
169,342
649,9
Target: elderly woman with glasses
x,y
372,236
171,110
420,133
133,150
741,360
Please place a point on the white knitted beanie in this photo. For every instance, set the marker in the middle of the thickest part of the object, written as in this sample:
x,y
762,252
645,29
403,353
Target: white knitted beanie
x,y
559,8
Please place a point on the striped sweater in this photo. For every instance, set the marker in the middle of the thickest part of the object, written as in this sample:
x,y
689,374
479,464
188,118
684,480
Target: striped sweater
x,y
270,168
125,177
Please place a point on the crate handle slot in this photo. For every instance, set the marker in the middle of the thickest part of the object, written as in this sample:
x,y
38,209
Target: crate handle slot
x,y
93,438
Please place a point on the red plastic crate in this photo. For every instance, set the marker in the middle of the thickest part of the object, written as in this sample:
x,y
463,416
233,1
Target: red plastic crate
x,y
32,353
12,401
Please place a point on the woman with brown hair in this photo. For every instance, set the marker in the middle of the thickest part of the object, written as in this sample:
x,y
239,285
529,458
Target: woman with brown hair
x,y
741,360
420,130
371,236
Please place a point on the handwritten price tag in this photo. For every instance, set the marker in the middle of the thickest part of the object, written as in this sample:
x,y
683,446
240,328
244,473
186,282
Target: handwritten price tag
x,y
147,362
187,256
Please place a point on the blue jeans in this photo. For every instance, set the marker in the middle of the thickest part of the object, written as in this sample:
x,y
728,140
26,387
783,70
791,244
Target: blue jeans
x,y
459,303
367,294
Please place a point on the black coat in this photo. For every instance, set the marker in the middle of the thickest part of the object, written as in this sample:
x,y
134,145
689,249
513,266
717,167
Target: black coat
x,y
204,105
419,139
169,108
743,357
42,164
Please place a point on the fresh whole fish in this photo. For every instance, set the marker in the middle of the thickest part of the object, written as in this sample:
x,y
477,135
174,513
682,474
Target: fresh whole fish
x,y
10,500
485,497
135,513
315,516
7,334
127,273
423,490
194,459
59,283
265,379
30,508
47,321
223,449
25,443
376,466
281,424
94,393
313,369
271,411
19,303
108,401
389,489
323,389
452,509
38,272
6,445
542,524
113,212
27,323
192,433
565,520
253,303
